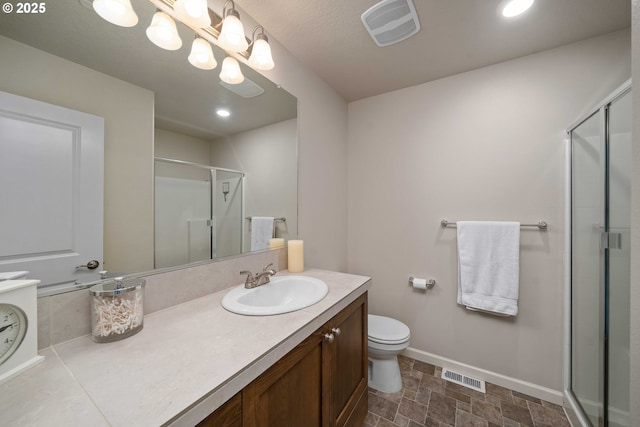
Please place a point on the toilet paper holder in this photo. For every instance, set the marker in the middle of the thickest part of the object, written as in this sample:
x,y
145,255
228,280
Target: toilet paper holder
x,y
430,282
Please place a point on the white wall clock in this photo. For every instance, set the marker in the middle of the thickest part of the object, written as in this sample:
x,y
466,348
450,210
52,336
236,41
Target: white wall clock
x,y
18,327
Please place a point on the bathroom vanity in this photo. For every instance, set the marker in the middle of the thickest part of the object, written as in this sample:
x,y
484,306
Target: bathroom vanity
x,y
321,382
196,361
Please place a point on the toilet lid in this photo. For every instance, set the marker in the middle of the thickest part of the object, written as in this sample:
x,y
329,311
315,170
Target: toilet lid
x,y
386,330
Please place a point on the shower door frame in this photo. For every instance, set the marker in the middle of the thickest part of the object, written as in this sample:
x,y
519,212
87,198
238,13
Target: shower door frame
x,y
571,402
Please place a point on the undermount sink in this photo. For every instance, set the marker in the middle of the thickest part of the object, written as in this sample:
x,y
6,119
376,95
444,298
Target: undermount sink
x,y
281,295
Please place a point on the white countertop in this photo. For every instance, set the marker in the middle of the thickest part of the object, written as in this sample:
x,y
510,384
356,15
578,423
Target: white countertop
x,y
186,362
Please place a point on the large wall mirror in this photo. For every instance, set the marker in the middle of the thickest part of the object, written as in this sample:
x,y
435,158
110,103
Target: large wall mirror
x,y
181,183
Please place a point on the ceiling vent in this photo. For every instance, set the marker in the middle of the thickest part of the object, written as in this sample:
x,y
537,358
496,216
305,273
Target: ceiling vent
x,y
391,21
246,89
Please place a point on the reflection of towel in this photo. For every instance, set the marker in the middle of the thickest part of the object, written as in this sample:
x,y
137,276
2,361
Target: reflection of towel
x,y
261,232
489,266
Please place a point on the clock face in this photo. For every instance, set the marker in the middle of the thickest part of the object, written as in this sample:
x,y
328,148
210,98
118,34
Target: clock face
x,y
13,327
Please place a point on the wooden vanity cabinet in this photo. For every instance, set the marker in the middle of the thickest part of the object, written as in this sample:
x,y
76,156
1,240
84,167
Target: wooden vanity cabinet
x,y
320,383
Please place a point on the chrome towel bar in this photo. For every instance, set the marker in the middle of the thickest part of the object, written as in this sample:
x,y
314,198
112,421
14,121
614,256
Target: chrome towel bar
x,y
542,225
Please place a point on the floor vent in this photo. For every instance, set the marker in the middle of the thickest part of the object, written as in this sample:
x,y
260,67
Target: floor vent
x,y
463,380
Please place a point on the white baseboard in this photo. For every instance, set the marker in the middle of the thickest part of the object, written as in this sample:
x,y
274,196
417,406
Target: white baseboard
x,y
520,386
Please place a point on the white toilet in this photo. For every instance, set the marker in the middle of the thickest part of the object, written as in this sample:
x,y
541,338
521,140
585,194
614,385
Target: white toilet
x,y
387,338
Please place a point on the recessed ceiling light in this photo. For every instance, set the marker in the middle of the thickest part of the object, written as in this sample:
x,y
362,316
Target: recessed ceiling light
x,y
512,8
223,113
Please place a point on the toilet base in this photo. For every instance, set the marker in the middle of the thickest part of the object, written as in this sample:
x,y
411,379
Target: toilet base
x,y
384,374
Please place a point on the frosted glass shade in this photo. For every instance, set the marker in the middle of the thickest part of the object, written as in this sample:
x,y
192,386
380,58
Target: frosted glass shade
x,y
192,12
163,32
260,58
201,55
232,34
231,72
118,12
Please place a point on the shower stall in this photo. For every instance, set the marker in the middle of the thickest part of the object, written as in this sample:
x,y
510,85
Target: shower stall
x,y
198,212
600,188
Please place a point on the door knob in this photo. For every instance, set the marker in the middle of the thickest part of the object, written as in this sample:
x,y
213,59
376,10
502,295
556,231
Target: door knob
x,y
336,331
329,338
91,265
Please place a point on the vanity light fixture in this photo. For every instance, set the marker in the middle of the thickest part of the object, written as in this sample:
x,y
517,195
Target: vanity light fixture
x,y
192,12
201,55
163,32
232,36
260,57
223,112
230,72
118,12
511,8
226,32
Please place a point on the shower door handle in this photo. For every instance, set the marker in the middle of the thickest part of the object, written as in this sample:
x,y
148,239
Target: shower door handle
x,y
609,240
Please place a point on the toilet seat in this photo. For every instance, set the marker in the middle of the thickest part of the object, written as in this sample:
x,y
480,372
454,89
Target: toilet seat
x,y
385,330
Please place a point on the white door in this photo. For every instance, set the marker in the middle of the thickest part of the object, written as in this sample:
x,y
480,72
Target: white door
x,y
51,190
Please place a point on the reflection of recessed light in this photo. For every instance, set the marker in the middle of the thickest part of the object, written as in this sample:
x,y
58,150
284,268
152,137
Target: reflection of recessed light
x,y
515,7
223,113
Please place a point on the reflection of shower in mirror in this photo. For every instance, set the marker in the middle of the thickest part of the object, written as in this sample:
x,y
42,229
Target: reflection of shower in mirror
x,y
225,189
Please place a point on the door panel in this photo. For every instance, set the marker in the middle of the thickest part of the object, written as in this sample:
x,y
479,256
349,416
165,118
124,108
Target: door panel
x,y
619,268
587,281
51,185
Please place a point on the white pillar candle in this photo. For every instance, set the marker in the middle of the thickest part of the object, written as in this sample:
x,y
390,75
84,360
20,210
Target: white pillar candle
x,y
296,256
276,243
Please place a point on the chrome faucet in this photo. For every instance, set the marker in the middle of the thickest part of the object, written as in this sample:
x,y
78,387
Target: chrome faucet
x,y
259,279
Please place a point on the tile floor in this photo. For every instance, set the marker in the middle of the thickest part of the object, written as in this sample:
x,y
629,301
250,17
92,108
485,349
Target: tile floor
x,y
426,400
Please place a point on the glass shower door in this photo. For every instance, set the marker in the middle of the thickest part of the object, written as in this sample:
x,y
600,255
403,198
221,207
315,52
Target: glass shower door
x,y
619,259
600,263
588,266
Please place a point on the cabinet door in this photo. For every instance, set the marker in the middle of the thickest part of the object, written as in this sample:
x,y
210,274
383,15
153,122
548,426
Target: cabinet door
x,y
228,415
290,392
349,365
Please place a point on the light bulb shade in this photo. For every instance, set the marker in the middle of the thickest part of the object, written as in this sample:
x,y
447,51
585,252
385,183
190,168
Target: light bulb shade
x,y
515,7
231,72
163,32
232,34
260,58
118,12
201,55
192,12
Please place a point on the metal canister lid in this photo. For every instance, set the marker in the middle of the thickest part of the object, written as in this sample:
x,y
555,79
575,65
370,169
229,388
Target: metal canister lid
x,y
116,286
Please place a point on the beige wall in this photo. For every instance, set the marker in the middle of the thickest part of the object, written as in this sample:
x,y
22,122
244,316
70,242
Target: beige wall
x,y
484,145
322,161
635,225
269,157
172,145
128,114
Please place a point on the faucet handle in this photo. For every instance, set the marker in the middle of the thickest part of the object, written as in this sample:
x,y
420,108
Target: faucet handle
x,y
267,267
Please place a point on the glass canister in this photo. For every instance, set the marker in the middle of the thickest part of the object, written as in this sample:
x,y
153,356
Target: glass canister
x,y
117,309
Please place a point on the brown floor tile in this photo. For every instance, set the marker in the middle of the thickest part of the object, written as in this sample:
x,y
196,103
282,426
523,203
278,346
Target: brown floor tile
x,y
371,419
442,408
382,407
423,394
385,423
427,368
413,410
486,410
550,416
465,419
457,395
517,413
526,397
427,400
501,392
401,420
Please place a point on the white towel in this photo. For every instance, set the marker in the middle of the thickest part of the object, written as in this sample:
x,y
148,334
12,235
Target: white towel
x,y
261,232
489,266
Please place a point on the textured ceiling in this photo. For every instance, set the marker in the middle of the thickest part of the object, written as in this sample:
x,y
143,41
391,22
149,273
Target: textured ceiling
x,y
455,36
